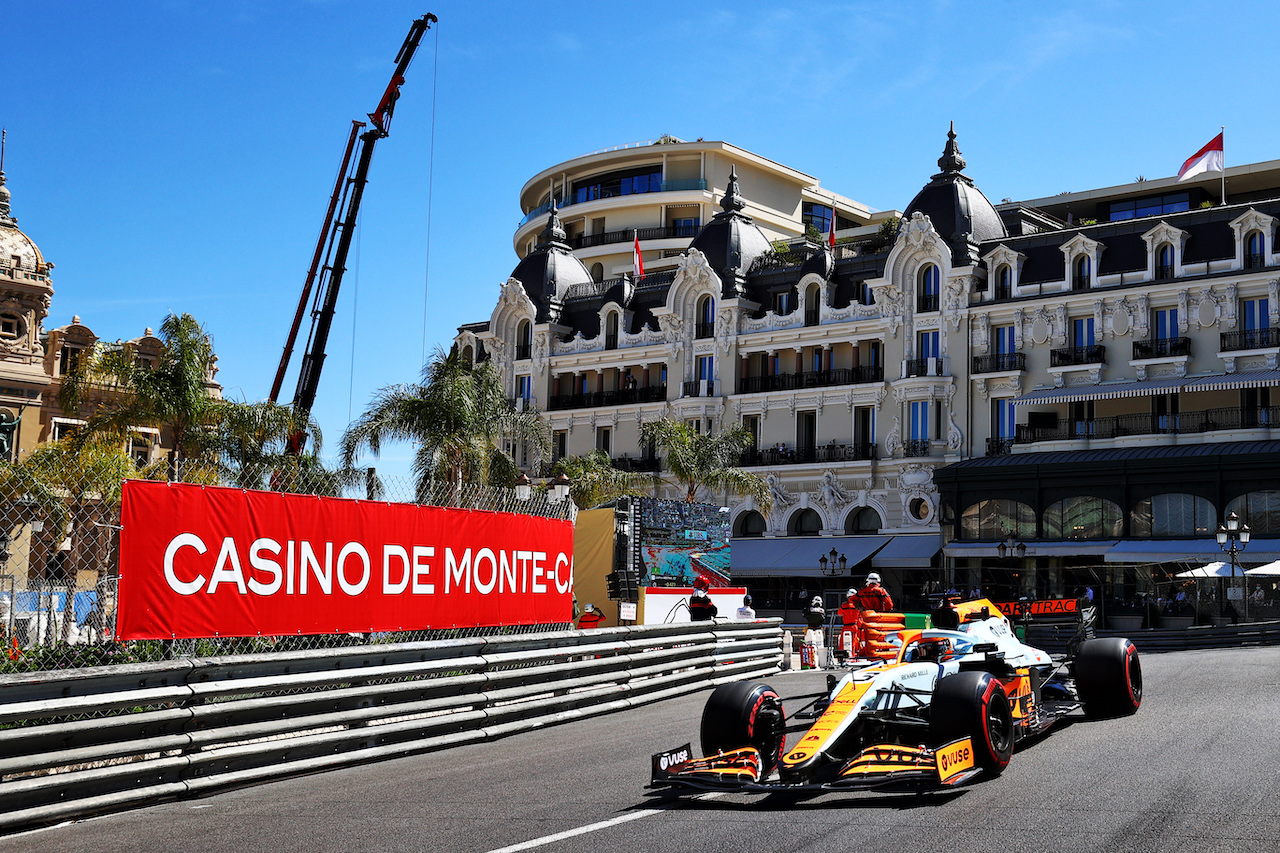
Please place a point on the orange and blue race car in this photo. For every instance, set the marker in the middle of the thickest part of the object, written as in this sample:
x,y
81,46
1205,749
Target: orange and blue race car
x,y
950,706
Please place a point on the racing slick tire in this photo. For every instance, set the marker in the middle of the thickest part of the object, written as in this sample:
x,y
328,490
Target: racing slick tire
x,y
745,713
1108,677
973,705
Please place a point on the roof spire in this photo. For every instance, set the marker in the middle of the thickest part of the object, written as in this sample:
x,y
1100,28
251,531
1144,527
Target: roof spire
x,y
732,201
5,217
951,160
554,232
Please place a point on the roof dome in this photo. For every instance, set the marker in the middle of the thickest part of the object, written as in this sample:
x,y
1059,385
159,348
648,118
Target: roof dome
x,y
821,263
14,243
731,240
958,209
550,270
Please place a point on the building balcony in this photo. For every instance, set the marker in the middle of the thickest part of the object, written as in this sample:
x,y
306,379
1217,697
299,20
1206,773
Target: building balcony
x,y
699,388
1164,272
926,302
934,366
665,187
593,399
999,446
1248,339
916,447
1080,282
627,235
811,316
1161,348
1255,261
640,465
702,331
811,379
1069,356
523,351
1182,423
1000,362
831,452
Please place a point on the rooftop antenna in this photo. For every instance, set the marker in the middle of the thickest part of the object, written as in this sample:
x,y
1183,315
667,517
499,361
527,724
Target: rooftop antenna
x,y
3,134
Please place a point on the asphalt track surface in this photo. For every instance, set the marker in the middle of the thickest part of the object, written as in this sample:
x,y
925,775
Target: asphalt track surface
x,y
1195,769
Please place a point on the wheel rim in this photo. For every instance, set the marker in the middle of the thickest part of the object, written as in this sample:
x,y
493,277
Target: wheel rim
x,y
999,727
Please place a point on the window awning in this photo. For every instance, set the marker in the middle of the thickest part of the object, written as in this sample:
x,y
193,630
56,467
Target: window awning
x,y
1259,550
908,552
1226,382
1104,391
796,556
1073,548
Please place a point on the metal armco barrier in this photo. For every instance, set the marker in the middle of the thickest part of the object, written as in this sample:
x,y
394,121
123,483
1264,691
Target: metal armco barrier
x,y
100,739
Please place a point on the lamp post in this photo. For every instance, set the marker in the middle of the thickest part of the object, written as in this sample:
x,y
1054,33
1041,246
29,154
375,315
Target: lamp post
x,y
560,488
1229,534
833,567
524,487
1009,547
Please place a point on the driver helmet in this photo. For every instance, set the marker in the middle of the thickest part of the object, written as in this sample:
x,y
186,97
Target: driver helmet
x,y
937,649
701,583
817,601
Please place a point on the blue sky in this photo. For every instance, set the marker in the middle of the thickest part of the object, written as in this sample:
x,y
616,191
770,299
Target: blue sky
x,y
177,156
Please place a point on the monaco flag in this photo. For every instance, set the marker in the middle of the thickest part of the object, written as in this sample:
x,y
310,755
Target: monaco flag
x,y
636,261
1207,159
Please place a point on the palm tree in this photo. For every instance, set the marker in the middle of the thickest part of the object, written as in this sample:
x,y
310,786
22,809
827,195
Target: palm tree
x,y
252,439
702,461
174,394
593,480
456,417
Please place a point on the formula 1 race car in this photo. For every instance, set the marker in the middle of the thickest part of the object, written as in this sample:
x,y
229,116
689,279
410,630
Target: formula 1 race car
x,y
950,706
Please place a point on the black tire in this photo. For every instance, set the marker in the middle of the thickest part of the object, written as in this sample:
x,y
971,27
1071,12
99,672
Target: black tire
x,y
1108,677
745,713
973,705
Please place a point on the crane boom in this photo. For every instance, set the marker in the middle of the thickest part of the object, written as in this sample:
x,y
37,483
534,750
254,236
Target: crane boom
x,y
339,243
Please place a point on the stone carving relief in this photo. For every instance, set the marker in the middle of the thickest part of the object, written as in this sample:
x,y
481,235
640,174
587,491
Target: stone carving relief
x,y
831,494
893,441
954,437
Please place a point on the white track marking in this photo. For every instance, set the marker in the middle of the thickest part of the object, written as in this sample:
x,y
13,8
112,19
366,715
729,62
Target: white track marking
x,y
591,827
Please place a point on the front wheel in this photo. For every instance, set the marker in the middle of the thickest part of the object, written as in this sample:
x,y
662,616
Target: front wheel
x,y
1108,677
745,713
973,705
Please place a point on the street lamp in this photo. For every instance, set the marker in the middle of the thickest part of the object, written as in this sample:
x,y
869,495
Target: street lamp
x,y
560,487
1009,547
524,487
834,566
1228,535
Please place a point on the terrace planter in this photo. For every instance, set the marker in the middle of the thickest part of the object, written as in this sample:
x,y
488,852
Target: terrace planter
x,y
1125,622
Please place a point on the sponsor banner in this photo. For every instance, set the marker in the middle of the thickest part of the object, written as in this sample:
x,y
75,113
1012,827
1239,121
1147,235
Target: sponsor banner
x,y
203,561
1044,607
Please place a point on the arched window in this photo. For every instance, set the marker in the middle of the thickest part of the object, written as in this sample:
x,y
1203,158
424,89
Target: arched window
x,y
1173,515
927,292
750,523
1082,270
996,518
812,296
805,522
597,272
1004,282
611,330
1083,517
706,320
1255,248
1164,262
524,339
864,519
1259,510
467,355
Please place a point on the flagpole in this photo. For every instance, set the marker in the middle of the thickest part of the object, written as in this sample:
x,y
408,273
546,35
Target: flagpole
x,y
1224,165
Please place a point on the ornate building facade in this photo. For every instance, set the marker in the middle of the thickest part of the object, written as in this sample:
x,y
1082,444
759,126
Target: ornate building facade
x,y
909,400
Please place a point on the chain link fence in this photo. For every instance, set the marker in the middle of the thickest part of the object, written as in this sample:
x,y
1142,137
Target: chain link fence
x,y
59,559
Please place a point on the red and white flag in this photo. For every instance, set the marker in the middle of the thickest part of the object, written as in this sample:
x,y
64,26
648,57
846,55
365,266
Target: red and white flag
x,y
1207,159
831,240
637,262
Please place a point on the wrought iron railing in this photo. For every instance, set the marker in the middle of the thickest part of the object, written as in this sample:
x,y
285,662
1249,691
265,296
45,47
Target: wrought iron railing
x,y
1067,356
927,302
1161,347
704,330
1180,423
916,447
999,446
1164,272
830,452
1255,261
593,399
999,362
810,379
1251,339
1080,282
523,351
699,388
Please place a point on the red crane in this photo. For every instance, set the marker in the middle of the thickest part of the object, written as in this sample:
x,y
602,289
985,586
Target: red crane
x,y
329,261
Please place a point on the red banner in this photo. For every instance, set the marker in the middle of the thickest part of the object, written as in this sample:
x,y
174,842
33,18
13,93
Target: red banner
x,y
202,561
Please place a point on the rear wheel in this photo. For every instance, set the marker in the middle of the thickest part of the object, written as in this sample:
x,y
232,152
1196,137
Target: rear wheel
x,y
745,713
1108,677
973,705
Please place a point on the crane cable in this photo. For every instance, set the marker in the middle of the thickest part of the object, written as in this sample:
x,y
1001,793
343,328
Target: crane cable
x,y
431,162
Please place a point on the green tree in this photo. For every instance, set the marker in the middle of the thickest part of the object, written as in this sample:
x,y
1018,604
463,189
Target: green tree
x,y
456,418
252,439
175,394
593,480
701,461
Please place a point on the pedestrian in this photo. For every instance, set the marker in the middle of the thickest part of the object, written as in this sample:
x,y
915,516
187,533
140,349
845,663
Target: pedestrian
x,y
591,617
745,611
815,618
